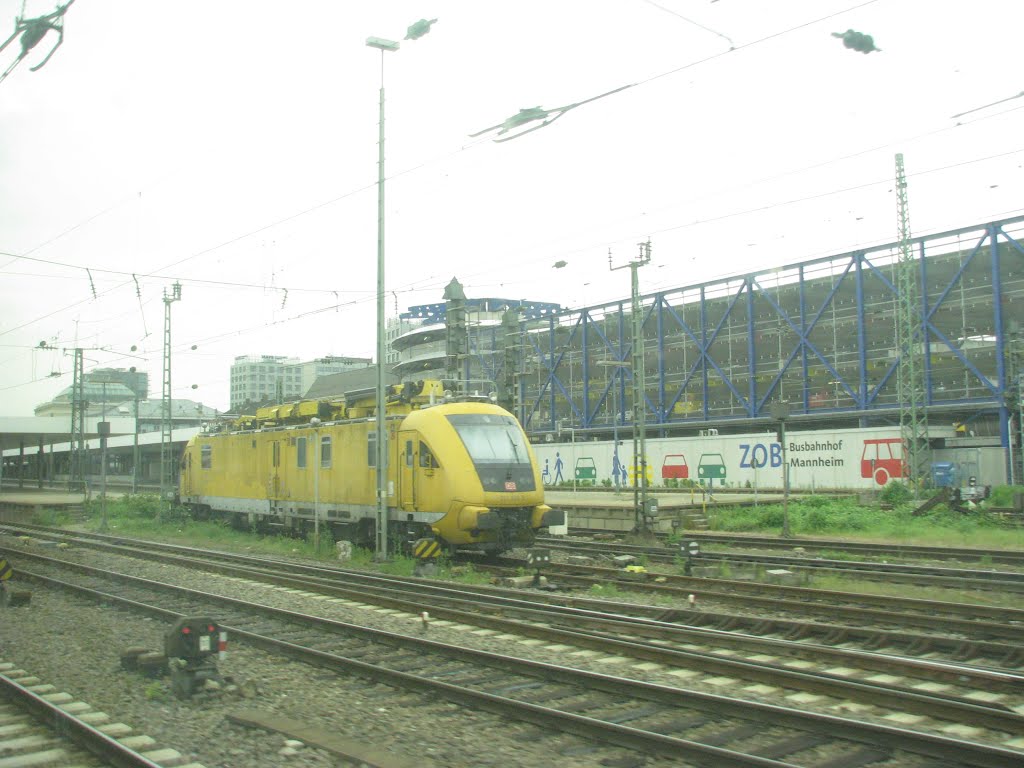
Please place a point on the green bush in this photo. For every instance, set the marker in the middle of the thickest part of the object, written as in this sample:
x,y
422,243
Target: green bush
x,y
896,492
815,501
1002,495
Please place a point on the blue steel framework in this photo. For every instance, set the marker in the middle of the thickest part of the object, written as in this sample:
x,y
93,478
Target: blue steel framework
x,y
820,335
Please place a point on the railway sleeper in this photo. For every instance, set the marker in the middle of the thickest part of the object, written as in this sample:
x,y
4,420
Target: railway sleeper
x,y
877,642
965,651
1014,658
733,734
636,714
728,624
799,632
836,636
921,645
857,758
764,627
792,745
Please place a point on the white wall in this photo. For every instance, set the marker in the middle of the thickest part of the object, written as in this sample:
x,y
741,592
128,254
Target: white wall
x,y
817,459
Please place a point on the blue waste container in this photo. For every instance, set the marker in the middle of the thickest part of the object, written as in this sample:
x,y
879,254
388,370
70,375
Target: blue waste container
x,y
944,474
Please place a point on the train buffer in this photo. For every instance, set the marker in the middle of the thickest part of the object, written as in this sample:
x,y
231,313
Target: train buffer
x,y
9,596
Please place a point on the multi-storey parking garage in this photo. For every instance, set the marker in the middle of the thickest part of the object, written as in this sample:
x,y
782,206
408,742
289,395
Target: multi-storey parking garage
x,y
819,335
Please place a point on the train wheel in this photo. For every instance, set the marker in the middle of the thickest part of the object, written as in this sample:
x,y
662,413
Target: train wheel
x,y
881,476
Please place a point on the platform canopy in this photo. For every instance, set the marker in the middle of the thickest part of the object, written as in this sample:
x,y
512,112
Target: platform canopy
x,y
33,431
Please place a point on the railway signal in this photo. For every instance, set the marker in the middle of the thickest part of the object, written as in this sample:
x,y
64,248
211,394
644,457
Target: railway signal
x,y
689,549
192,647
538,558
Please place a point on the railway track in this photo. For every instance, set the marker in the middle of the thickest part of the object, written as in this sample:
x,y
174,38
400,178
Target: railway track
x,y
868,549
41,726
963,631
936,576
655,719
664,641
961,628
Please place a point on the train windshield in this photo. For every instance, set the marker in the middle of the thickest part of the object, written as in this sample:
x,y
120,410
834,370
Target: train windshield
x,y
498,449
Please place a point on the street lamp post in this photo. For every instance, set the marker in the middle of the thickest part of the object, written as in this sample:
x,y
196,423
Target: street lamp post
x,y
381,457
416,31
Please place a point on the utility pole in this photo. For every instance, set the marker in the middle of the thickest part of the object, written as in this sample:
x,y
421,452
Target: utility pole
x,y
639,379
135,446
911,344
78,406
104,430
166,424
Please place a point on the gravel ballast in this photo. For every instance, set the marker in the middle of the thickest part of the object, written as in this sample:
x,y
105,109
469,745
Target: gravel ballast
x,y
75,645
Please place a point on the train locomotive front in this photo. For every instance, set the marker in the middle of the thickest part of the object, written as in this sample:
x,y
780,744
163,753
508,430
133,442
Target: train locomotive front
x,y
473,462
460,472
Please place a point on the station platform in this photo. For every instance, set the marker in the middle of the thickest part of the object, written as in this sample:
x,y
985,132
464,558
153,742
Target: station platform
x,y
615,512
22,505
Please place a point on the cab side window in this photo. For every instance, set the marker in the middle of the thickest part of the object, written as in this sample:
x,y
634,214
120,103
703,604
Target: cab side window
x,y
427,460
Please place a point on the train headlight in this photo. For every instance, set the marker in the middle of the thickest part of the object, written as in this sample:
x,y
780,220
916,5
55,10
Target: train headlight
x,y
470,517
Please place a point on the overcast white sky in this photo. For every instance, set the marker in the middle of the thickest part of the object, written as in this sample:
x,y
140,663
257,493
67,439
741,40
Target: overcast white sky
x,y
233,146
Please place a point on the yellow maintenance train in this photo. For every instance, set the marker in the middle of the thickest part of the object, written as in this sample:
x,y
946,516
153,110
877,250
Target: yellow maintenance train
x,y
459,471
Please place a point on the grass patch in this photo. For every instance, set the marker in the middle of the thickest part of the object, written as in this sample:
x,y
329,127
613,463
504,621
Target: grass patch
x,y
917,592
820,516
605,589
136,516
52,517
830,554
465,574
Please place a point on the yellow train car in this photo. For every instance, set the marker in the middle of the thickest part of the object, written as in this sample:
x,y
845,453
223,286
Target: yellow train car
x,y
462,472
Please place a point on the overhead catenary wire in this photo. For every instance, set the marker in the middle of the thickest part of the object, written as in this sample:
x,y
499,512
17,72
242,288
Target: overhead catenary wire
x,y
691,21
337,305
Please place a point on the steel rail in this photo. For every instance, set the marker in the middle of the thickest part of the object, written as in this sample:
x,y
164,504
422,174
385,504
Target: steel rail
x,y
68,726
934,575
468,609
972,753
800,595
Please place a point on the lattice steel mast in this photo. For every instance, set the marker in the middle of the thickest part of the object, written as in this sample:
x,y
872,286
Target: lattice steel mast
x,y
78,408
911,343
166,424
639,379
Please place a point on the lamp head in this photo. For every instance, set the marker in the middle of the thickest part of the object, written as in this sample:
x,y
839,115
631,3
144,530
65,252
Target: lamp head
x,y
384,45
